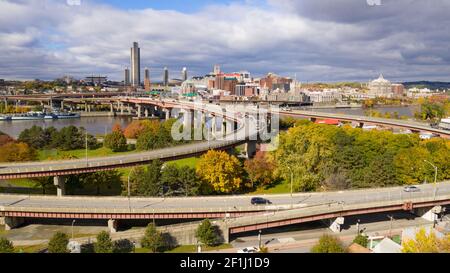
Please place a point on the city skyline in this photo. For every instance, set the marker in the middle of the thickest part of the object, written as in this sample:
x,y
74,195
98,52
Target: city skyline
x,y
285,37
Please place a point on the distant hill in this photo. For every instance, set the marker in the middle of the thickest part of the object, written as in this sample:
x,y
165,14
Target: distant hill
x,y
428,84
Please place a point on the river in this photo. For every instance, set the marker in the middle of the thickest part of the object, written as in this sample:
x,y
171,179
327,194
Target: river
x,y
100,125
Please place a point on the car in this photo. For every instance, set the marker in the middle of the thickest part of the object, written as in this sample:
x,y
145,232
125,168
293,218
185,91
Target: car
x,y
411,189
248,250
260,201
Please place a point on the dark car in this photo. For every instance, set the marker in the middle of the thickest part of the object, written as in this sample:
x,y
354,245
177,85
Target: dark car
x,y
411,189
260,201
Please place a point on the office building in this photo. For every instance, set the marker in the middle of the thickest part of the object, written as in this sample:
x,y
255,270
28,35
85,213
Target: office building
x,y
135,65
184,75
127,77
166,76
147,85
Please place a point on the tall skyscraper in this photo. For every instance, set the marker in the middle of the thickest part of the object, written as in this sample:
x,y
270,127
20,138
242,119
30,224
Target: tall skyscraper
x,y
135,65
127,76
147,80
184,75
166,76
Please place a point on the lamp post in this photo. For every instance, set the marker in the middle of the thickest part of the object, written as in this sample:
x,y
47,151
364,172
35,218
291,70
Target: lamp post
x,y
259,238
129,188
73,222
435,175
435,171
292,179
87,163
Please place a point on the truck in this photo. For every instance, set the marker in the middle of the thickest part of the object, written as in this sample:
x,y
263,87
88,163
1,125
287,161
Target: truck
x,y
445,124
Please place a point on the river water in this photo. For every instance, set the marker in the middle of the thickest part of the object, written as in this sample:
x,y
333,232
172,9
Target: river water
x,y
102,125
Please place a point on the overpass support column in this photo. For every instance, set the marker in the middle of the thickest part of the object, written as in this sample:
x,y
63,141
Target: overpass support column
x,y
11,222
60,183
139,108
111,108
312,119
214,125
62,105
112,226
250,149
429,214
146,112
167,114
336,224
121,108
225,232
361,125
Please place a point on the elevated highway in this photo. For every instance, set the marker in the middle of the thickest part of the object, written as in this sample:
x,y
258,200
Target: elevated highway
x,y
235,214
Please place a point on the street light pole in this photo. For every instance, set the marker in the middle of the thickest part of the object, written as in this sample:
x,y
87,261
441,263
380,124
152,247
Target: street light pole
x,y
292,179
435,175
73,222
129,188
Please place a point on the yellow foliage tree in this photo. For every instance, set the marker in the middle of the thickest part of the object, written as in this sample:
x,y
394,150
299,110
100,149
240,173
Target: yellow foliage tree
x,y
427,243
220,171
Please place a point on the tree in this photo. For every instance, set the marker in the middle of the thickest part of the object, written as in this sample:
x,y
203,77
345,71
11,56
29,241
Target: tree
x,y
6,246
43,182
5,139
361,240
146,181
206,233
260,170
34,137
104,243
72,138
220,172
115,141
427,243
328,244
152,239
17,152
58,243
99,179
180,181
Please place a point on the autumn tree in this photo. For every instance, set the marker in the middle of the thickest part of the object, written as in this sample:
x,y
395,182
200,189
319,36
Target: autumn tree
x,y
260,169
328,244
220,172
17,152
104,243
115,141
427,242
6,246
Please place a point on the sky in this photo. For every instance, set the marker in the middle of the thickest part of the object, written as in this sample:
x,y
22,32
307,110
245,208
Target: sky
x,y
316,40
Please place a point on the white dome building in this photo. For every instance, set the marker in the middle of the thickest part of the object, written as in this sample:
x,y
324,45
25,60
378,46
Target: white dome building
x,y
380,87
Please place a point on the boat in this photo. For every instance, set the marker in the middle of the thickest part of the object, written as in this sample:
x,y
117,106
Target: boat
x,y
28,116
5,118
66,115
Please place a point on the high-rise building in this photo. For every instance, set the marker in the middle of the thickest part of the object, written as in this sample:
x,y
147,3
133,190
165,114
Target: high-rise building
x,y
135,65
127,77
166,76
184,75
147,80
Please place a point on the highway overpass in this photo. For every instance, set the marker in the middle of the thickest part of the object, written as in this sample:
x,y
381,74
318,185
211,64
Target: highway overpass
x,y
239,214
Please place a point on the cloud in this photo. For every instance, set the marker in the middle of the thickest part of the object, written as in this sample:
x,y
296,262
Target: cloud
x,y
319,40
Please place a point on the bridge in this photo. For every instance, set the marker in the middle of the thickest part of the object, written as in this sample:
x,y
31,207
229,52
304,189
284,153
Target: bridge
x,y
233,214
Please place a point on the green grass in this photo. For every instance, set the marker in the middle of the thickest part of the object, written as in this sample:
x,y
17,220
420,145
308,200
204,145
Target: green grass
x,y
190,162
282,187
54,154
30,249
2,230
193,248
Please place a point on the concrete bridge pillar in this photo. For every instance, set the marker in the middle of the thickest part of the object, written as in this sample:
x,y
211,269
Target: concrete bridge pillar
x,y
139,108
130,111
121,108
146,112
250,149
11,222
112,226
336,224
111,108
60,183
214,125
429,214
167,114
361,125
224,232
62,105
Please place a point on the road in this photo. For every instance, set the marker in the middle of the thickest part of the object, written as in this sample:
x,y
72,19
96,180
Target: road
x,y
220,203
300,238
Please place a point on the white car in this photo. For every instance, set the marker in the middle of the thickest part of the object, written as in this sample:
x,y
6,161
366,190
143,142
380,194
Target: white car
x,y
248,250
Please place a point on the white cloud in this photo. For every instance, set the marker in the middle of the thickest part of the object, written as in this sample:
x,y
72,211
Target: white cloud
x,y
316,39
